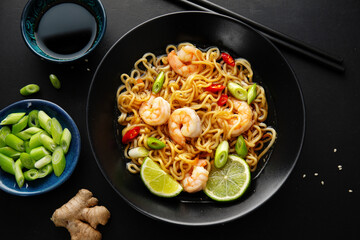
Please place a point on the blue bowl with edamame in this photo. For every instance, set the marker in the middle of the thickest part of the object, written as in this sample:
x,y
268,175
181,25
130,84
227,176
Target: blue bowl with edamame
x,y
50,182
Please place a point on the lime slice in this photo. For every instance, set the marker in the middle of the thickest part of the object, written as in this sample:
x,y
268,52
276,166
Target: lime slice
x,y
158,181
230,182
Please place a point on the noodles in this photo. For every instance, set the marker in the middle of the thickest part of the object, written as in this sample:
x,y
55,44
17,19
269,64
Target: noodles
x,y
217,122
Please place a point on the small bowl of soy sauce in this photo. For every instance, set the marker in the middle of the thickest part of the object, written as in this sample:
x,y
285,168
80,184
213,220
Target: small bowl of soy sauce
x,y
62,30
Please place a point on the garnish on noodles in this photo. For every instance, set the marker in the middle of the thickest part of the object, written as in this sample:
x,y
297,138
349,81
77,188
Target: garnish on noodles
x,y
188,101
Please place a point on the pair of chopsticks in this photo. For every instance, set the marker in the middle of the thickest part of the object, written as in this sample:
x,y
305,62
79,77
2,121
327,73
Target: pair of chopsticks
x,y
327,59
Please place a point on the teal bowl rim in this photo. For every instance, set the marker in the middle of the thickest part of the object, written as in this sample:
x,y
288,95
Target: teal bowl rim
x,y
40,186
42,54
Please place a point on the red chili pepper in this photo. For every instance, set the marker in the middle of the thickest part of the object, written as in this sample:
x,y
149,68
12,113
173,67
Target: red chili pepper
x,y
228,59
223,99
130,135
215,88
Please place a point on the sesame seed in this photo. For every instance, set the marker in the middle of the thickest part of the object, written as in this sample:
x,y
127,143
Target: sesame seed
x,y
316,174
322,183
304,175
339,167
86,60
335,150
350,190
88,69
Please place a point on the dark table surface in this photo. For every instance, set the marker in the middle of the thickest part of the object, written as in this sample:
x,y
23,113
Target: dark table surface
x,y
317,201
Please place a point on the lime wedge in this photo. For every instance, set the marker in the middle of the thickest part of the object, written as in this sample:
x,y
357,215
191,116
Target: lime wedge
x,y
230,182
158,181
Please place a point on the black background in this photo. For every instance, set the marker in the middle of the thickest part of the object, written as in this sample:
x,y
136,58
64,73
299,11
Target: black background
x,y
302,209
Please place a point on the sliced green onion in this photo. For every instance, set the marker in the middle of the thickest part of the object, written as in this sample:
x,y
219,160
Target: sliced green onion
x,y
240,147
20,125
237,91
138,152
35,140
12,118
38,153
56,131
221,154
47,142
10,152
252,93
33,119
46,170
16,143
155,143
28,133
58,161
29,89
42,162
65,140
31,175
27,161
55,81
7,164
44,121
4,131
27,148
159,81
19,175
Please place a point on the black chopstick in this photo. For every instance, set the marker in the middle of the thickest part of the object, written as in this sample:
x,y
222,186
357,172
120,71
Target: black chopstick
x,y
276,37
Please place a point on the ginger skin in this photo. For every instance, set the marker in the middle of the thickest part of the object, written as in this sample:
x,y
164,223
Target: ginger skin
x,y
80,216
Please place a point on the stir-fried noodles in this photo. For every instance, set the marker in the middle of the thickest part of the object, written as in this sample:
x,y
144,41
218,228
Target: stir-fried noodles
x,y
208,121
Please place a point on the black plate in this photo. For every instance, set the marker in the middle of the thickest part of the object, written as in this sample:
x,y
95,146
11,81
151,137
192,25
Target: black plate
x,y
203,29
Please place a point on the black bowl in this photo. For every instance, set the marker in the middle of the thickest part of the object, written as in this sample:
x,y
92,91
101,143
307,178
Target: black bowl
x,y
287,113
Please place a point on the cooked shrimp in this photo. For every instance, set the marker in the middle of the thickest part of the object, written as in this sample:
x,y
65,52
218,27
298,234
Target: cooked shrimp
x,y
244,121
195,180
181,62
184,122
156,111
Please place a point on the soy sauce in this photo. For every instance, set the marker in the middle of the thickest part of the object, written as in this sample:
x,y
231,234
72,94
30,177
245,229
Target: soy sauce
x,y
66,30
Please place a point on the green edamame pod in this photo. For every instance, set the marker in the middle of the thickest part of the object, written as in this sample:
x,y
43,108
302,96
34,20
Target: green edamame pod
x,y
56,130
46,170
237,91
20,125
27,161
7,164
19,175
31,175
4,131
159,81
14,142
38,153
58,161
27,133
47,142
221,154
65,140
8,151
33,120
44,121
252,93
240,147
55,81
29,89
155,143
42,162
12,118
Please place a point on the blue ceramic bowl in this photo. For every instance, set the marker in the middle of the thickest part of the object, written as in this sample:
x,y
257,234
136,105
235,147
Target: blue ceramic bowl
x,y
39,186
33,11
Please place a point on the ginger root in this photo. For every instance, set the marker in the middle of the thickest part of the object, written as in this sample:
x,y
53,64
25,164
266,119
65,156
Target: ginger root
x,y
80,216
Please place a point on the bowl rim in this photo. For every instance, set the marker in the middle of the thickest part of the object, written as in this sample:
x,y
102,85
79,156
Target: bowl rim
x,y
235,216
62,60
75,135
